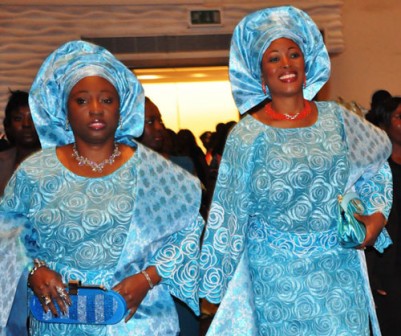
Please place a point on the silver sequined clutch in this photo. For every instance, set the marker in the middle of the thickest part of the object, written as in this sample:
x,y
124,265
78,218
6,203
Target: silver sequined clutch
x,y
90,305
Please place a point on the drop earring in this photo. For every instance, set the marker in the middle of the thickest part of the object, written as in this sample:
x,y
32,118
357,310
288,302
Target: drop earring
x,y
67,125
304,83
120,123
264,87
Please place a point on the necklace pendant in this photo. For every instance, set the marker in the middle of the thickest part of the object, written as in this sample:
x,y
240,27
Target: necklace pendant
x,y
96,167
285,116
291,117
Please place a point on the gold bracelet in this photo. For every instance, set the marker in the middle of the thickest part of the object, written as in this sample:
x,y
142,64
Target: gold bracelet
x,y
148,279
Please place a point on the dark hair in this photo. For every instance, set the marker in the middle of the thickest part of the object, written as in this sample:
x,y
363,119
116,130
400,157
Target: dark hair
x,y
204,135
387,108
187,146
16,100
375,114
378,97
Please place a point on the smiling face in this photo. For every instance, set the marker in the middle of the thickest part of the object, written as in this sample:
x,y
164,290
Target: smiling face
x,y
93,110
283,68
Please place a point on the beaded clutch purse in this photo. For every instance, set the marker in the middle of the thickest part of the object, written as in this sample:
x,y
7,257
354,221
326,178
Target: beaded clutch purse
x,y
90,305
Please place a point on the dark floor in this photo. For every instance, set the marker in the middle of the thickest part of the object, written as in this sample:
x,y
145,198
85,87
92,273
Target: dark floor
x,y
388,310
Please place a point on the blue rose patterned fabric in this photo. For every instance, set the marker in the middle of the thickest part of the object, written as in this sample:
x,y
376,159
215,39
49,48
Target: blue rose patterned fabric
x,y
271,253
101,230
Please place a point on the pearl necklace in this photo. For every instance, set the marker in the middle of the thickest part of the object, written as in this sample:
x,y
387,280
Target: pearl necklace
x,y
284,116
96,167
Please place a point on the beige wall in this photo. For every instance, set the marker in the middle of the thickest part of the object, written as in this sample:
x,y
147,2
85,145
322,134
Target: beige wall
x,y
372,56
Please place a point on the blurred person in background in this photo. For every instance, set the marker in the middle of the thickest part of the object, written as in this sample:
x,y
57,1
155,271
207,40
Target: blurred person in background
x,y
21,135
385,269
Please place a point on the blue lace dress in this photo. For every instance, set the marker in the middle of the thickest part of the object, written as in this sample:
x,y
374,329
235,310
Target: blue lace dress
x,y
101,230
271,252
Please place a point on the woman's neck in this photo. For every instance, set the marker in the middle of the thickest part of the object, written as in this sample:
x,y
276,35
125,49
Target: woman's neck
x,y
396,153
95,152
66,156
288,105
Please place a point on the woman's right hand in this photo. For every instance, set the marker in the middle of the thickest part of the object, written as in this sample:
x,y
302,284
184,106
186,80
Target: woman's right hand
x,y
374,224
49,288
135,287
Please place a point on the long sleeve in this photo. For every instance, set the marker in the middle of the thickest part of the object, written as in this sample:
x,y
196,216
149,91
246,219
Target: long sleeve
x,y
224,240
368,150
177,262
377,192
14,203
368,147
13,222
168,225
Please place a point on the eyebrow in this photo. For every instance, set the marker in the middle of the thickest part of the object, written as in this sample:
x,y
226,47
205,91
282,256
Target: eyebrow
x,y
87,91
290,48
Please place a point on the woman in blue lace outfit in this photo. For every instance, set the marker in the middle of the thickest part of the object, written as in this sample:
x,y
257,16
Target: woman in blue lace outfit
x,y
96,206
271,253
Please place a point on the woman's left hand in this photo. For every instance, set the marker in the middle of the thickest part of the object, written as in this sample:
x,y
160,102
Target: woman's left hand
x,y
374,224
134,289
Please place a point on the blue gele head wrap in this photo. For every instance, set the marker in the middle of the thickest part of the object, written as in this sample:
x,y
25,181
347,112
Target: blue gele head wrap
x,y
64,68
254,34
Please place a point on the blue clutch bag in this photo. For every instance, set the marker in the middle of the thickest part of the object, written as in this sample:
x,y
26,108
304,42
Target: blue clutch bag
x,y
90,305
351,232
